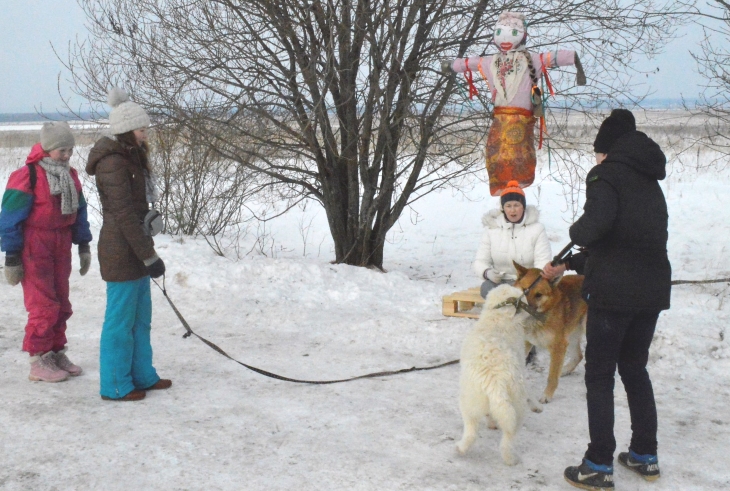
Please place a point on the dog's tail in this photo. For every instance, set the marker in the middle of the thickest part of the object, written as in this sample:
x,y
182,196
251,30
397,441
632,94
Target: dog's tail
x,y
506,407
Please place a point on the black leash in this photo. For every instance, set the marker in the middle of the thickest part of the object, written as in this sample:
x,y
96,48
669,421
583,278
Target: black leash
x,y
189,332
563,255
566,253
699,282
518,304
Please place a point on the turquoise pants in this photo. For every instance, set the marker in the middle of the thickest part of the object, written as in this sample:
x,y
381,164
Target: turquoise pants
x,y
125,357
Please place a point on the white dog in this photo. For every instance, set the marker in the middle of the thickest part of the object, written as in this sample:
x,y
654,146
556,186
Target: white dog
x,y
492,373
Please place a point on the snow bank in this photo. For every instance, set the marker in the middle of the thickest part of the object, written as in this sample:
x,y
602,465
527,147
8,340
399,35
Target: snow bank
x,y
223,427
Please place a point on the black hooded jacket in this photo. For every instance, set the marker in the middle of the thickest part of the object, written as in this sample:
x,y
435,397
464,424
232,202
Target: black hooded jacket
x,y
624,230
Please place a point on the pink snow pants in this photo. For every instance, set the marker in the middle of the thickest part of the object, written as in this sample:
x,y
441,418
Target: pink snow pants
x,y
47,265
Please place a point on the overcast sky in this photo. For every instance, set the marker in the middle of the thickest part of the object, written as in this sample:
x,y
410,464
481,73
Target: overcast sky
x,y
29,69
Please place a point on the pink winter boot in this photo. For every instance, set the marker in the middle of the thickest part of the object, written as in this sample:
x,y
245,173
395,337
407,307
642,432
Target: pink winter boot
x,y
64,363
43,369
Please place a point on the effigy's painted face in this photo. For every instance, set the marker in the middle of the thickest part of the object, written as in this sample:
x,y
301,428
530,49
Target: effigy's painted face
x,y
508,38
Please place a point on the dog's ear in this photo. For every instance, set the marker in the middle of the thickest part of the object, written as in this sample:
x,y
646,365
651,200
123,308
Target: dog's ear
x,y
521,270
554,282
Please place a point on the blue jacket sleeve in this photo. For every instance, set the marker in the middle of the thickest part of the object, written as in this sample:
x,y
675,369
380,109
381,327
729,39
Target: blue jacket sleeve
x,y
80,230
16,205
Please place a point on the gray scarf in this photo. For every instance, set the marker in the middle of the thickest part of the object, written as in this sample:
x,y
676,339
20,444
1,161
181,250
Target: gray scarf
x,y
61,182
151,189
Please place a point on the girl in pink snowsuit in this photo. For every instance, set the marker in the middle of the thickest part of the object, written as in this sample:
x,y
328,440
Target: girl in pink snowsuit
x,y
43,213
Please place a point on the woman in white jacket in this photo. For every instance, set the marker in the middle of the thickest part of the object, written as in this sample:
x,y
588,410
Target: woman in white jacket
x,y
512,233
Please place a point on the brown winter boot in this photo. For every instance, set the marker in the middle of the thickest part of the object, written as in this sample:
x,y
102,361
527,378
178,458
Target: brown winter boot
x,y
161,384
135,395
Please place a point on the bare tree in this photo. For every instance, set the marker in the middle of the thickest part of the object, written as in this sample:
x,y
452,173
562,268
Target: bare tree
x,y
713,60
201,192
342,101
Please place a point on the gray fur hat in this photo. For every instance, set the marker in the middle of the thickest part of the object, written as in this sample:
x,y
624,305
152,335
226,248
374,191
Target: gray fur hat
x,y
125,115
56,134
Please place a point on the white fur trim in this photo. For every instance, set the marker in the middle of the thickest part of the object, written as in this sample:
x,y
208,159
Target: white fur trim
x,y
503,241
495,218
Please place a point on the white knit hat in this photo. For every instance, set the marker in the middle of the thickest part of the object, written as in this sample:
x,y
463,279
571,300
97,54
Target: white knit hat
x,y
56,134
125,115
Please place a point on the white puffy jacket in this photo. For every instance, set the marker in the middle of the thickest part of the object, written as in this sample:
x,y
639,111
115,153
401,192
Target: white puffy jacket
x,y
502,242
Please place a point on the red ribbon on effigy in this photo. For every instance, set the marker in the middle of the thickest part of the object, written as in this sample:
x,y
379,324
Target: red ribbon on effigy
x,y
543,69
543,131
545,73
470,80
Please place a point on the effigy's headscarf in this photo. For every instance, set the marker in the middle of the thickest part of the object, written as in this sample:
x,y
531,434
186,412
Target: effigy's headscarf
x,y
514,20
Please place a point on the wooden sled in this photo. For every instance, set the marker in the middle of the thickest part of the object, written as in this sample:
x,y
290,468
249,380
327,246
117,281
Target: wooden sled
x,y
461,304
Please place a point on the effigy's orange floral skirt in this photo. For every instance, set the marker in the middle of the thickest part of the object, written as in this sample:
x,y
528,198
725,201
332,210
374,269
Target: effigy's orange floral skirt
x,y
511,148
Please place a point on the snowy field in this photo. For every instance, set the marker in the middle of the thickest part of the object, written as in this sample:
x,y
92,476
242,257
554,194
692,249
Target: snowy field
x,y
222,427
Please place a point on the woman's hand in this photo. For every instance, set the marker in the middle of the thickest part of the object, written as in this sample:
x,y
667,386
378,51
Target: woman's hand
x,y
551,272
494,276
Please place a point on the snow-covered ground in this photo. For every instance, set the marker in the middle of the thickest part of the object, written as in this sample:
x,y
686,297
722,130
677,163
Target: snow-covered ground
x,y
222,427
36,126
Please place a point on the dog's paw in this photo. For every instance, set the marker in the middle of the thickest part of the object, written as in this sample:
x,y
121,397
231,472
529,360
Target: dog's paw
x,y
461,448
491,424
511,459
535,407
545,399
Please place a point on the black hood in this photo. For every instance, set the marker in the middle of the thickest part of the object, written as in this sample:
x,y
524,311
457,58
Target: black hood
x,y
639,152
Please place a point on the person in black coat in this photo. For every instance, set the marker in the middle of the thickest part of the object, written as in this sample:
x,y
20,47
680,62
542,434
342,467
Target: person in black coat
x,y
623,232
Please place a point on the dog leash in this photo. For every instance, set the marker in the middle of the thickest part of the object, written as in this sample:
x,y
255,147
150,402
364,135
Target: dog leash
x,y
699,282
189,332
565,254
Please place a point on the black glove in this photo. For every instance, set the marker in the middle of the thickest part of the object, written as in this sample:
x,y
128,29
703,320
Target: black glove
x,y
84,258
156,269
13,260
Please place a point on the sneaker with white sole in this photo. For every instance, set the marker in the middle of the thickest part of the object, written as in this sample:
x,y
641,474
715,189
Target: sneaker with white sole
x,y
647,466
64,363
588,475
43,368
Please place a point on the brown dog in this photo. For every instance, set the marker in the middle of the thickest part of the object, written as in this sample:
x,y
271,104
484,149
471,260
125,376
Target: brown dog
x,y
564,325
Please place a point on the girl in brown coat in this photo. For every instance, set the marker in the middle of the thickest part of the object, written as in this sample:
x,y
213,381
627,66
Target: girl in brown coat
x,y
127,255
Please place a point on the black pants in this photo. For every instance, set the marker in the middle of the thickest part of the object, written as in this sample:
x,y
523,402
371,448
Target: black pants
x,y
617,338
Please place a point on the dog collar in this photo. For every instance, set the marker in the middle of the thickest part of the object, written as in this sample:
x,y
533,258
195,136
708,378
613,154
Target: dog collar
x,y
520,305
